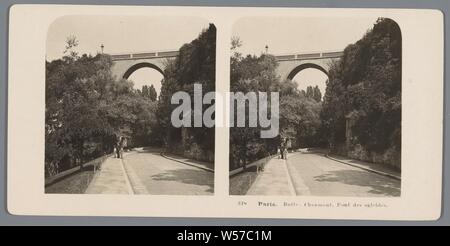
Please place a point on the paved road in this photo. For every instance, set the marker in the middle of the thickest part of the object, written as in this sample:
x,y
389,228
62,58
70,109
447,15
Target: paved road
x,y
314,174
150,173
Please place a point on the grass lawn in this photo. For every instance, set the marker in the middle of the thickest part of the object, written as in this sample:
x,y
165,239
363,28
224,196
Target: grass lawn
x,y
75,183
241,182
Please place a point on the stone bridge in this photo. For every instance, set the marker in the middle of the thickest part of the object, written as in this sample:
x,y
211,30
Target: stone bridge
x,y
289,64
125,64
292,64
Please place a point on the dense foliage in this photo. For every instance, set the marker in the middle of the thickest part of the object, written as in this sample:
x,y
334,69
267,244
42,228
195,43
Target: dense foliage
x,y
87,108
195,64
364,90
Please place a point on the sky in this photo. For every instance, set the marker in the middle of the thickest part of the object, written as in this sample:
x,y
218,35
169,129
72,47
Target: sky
x,y
123,34
285,35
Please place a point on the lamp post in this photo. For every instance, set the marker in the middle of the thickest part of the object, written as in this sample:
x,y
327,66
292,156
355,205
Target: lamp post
x,y
102,46
267,49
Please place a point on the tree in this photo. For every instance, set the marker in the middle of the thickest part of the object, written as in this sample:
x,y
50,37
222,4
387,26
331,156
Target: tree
x,y
309,92
312,93
152,93
86,108
74,89
317,95
364,89
145,91
299,116
71,44
195,64
250,73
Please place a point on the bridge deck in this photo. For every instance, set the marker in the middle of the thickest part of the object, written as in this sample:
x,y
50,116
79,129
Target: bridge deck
x,y
308,56
174,53
145,55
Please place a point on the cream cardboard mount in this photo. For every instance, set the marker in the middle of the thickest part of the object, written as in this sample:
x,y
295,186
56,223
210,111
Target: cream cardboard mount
x,y
419,185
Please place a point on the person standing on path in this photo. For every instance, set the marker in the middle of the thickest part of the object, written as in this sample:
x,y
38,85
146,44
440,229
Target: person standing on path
x,y
119,147
283,149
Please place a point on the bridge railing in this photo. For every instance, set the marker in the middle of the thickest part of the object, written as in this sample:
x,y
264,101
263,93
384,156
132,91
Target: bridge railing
x,y
307,56
145,55
174,53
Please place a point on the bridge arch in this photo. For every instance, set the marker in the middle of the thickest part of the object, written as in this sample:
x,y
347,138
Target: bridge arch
x,y
137,66
290,65
303,66
125,64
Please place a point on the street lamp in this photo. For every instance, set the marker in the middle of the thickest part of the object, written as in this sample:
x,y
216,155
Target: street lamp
x,y
267,49
102,46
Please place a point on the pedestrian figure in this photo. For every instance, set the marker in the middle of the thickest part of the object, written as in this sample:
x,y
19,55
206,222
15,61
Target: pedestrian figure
x,y
281,152
116,148
119,148
283,148
124,143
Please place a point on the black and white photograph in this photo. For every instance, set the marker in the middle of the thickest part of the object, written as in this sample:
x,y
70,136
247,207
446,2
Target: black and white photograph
x,y
108,90
225,112
338,84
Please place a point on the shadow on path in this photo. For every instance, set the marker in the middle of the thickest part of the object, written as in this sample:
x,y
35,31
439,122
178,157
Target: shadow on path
x,y
377,183
188,176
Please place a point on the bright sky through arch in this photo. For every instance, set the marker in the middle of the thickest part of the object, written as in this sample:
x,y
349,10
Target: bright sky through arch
x,y
146,76
311,77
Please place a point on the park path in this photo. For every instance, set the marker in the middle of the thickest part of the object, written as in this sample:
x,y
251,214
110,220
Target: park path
x,y
315,174
148,172
275,180
156,174
111,179
324,176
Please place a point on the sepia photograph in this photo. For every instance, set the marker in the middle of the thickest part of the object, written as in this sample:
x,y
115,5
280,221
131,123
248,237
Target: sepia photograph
x,y
108,90
236,112
337,85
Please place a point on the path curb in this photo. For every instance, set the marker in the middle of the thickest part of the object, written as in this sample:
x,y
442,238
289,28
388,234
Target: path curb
x,y
290,181
186,163
365,168
135,182
300,187
127,179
